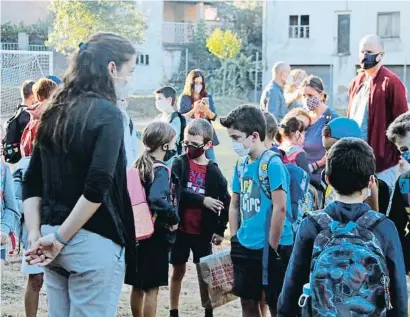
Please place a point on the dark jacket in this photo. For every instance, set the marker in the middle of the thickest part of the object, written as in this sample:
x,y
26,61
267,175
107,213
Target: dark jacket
x,y
387,100
400,214
163,197
185,105
299,267
216,187
94,166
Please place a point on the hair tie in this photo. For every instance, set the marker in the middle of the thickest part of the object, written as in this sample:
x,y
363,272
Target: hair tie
x,y
83,46
283,126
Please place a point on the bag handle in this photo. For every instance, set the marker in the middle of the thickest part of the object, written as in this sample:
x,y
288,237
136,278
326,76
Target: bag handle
x,y
166,167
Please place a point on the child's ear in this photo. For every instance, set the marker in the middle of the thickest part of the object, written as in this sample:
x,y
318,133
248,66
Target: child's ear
x,y
169,99
327,180
372,182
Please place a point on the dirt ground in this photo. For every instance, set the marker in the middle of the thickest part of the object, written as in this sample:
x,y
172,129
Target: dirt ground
x,y
13,281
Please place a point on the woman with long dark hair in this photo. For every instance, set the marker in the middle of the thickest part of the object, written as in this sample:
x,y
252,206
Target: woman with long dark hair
x,y
196,103
75,192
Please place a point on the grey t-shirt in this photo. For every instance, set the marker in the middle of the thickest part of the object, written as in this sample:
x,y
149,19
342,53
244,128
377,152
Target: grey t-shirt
x,y
360,108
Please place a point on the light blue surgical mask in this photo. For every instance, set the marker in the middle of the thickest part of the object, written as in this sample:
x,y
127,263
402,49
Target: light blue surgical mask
x,y
240,149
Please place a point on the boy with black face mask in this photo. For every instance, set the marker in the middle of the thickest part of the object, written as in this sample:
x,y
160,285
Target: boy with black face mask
x,y
203,207
399,133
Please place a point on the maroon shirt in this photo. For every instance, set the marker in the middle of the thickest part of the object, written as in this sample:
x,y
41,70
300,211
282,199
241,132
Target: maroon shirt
x,y
191,222
387,100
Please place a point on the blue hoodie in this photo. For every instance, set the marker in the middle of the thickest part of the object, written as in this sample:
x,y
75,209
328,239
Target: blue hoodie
x,y
10,215
298,270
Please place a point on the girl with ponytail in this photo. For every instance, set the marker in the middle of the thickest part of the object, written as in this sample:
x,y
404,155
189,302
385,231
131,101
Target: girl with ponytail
x,y
291,137
159,139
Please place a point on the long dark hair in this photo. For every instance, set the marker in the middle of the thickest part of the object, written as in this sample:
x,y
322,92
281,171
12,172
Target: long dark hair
x,y
190,84
155,135
288,127
87,76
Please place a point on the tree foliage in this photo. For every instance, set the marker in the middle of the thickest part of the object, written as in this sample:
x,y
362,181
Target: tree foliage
x,y
75,21
38,32
224,44
245,17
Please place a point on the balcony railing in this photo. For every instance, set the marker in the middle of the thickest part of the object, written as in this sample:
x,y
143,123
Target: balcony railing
x,y
182,33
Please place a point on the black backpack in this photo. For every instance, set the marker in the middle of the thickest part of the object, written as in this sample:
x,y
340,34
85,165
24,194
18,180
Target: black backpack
x,y
183,126
12,138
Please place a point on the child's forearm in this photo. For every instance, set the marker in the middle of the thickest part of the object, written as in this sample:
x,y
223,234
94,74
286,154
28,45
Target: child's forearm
x,y
278,217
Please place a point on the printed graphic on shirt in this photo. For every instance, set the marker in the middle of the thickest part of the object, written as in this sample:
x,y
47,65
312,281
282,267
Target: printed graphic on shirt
x,y
250,201
197,180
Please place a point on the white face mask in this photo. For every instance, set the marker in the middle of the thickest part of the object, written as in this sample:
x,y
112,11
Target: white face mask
x,y
198,88
124,87
163,106
240,149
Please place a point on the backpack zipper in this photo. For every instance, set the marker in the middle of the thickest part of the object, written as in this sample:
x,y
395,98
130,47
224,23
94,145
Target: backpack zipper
x,y
385,280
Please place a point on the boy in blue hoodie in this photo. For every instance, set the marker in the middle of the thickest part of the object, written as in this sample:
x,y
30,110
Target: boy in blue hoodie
x,y
347,260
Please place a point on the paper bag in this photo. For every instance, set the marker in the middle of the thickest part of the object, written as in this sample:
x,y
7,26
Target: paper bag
x,y
216,279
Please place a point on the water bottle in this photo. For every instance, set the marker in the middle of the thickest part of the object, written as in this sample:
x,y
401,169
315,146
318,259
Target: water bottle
x,y
305,301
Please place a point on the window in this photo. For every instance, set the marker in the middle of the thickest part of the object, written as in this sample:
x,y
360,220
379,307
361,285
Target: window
x,y
299,26
388,24
343,33
142,59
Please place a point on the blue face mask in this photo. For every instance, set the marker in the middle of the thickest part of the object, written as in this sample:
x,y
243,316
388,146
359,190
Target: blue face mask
x,y
406,156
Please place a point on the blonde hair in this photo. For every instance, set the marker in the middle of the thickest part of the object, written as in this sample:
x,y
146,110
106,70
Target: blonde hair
x,y
292,90
155,135
295,112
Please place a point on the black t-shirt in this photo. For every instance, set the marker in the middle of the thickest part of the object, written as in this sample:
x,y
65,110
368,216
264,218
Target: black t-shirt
x,y
93,166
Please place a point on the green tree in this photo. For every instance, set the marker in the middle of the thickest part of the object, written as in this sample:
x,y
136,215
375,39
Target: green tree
x,y
75,21
225,45
245,17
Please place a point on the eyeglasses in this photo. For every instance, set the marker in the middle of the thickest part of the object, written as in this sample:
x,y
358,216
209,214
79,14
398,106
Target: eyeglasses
x,y
194,145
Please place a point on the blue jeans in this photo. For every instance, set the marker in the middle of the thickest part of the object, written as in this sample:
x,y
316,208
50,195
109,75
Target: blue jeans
x,y
210,154
86,278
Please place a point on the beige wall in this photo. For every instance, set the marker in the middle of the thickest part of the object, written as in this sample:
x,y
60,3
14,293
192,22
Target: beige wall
x,y
179,12
29,12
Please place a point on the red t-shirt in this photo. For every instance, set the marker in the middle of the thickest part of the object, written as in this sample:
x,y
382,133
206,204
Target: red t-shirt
x,y
191,222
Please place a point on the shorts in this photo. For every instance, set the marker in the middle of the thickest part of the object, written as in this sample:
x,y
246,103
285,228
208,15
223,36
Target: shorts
x,y
276,274
247,270
30,269
185,243
152,262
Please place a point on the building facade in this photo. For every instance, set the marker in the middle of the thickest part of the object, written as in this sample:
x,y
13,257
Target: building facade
x,y
170,28
323,38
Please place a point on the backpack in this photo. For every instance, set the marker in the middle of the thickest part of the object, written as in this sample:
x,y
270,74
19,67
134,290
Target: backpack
x,y
143,217
349,275
11,140
18,176
181,134
299,184
29,136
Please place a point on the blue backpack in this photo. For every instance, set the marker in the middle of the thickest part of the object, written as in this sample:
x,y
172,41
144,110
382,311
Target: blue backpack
x,y
349,275
299,185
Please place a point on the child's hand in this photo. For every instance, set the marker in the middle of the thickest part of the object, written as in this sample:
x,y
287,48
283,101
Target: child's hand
x,y
217,239
3,238
173,228
213,204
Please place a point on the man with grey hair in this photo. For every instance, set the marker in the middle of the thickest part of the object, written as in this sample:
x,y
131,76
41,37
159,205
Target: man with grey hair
x,y
376,98
272,99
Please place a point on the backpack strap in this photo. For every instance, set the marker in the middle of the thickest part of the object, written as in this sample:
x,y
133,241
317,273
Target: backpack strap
x,y
264,162
240,166
370,220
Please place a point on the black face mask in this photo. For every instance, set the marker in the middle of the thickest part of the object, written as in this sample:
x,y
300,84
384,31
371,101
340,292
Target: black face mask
x,y
170,154
369,60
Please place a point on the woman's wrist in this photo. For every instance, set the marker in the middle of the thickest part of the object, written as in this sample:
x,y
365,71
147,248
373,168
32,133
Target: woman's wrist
x,y
60,239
